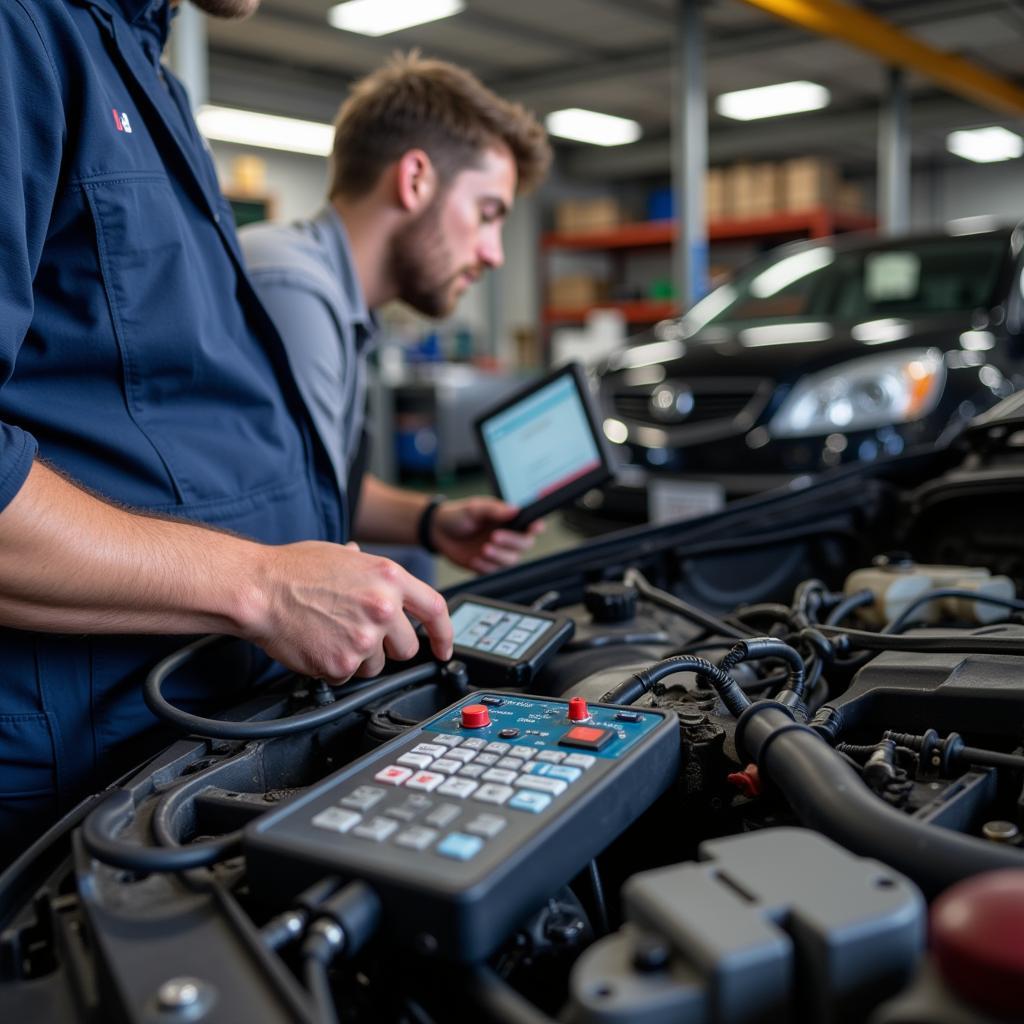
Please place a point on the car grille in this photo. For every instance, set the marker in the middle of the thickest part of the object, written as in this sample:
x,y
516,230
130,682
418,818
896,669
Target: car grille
x,y
715,402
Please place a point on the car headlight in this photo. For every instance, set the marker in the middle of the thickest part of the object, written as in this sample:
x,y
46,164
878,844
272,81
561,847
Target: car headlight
x,y
875,391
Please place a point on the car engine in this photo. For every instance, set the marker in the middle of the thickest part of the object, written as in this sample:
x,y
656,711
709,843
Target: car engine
x,y
763,766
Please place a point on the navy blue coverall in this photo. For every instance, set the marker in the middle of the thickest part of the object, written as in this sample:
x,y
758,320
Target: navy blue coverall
x,y
134,357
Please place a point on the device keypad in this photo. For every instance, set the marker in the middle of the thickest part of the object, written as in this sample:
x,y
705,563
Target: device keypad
x,y
481,783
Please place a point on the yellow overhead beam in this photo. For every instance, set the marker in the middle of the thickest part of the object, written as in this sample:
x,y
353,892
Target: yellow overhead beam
x,y
878,37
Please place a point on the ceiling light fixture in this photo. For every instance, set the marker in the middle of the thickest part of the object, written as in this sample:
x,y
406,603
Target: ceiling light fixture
x,y
985,145
772,100
382,17
266,131
590,126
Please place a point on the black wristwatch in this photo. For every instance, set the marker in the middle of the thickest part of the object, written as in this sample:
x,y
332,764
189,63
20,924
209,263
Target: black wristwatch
x,y
426,521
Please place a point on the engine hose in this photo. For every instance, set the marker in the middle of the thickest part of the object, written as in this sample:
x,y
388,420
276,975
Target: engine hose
x,y
312,719
828,795
760,647
941,643
635,578
849,604
906,617
632,689
502,1004
98,834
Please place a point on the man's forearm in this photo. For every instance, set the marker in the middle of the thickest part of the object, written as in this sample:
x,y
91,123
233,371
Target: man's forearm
x,y
386,514
69,562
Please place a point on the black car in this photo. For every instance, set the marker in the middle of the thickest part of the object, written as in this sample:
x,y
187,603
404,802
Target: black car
x,y
817,355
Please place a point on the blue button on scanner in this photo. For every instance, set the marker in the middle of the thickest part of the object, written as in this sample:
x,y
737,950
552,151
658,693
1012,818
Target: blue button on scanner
x,y
459,846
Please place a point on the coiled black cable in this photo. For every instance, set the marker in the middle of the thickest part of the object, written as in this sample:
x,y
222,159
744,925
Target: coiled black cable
x,y
100,828
312,719
632,689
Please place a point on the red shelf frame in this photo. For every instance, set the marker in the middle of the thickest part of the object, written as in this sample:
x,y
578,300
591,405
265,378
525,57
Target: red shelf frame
x,y
639,311
817,222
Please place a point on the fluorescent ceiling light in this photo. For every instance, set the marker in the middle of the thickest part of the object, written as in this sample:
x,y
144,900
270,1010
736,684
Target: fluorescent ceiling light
x,y
985,145
772,100
880,332
590,126
267,131
381,17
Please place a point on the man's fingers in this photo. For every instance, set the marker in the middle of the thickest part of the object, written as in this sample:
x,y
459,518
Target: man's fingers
x,y
373,666
511,541
427,605
401,641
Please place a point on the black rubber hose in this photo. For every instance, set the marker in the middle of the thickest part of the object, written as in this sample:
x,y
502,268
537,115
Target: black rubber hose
x,y
312,719
633,577
849,604
319,986
632,689
943,643
98,834
908,613
760,647
829,796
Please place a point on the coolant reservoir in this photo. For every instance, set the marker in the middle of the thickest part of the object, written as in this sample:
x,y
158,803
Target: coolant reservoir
x,y
897,585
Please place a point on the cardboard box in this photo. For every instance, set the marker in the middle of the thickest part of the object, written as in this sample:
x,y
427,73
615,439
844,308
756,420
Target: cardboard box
x,y
717,197
574,291
753,190
578,215
808,182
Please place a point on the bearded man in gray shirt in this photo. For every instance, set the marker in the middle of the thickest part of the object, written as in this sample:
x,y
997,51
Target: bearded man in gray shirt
x,y
426,165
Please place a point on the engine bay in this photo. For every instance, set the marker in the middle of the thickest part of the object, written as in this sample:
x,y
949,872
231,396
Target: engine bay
x,y
831,680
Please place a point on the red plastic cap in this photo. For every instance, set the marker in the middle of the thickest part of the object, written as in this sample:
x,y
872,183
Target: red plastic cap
x,y
977,937
475,716
748,781
578,710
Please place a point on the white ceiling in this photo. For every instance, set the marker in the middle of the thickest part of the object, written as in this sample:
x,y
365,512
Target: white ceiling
x,y
616,56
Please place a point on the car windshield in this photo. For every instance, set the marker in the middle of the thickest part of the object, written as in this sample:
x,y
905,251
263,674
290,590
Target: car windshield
x,y
919,278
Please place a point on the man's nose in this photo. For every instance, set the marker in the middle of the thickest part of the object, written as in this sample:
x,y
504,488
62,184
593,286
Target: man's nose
x,y
491,252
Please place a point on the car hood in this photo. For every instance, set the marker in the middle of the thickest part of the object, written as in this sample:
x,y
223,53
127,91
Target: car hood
x,y
786,349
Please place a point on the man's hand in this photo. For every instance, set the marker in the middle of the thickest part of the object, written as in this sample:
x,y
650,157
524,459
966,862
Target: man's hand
x,y
333,612
469,533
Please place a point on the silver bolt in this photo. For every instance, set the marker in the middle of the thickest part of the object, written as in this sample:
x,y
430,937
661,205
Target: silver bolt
x,y
178,993
1000,831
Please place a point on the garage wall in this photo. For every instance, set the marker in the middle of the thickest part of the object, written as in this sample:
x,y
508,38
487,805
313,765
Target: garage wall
x,y
945,193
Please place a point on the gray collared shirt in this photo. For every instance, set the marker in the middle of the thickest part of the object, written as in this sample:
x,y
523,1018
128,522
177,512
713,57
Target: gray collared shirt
x,y
304,275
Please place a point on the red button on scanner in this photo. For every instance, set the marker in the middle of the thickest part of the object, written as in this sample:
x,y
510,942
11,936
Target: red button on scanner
x,y
588,737
578,710
475,716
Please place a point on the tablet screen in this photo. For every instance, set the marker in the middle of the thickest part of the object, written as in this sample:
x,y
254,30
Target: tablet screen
x,y
542,443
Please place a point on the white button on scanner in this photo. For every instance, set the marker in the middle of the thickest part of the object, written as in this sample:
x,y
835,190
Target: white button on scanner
x,y
416,760
336,819
539,784
490,793
433,749
460,788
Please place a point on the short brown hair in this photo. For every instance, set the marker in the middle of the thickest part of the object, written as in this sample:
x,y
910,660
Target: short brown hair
x,y
445,110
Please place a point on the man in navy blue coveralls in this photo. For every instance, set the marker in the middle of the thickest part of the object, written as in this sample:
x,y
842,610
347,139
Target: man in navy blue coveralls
x,y
158,475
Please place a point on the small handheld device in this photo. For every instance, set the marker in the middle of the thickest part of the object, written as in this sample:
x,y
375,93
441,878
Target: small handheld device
x,y
543,447
466,823
505,644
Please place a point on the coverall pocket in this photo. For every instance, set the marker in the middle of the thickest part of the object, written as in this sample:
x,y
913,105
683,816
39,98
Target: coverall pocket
x,y
28,780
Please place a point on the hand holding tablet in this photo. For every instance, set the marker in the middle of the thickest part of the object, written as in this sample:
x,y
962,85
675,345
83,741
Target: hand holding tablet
x,y
543,446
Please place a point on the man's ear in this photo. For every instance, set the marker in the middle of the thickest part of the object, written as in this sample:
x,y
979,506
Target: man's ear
x,y
416,180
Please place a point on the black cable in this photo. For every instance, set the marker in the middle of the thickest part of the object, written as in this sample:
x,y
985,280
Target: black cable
x,y
633,577
98,834
849,604
319,986
760,647
632,689
597,890
312,719
940,643
545,600
901,620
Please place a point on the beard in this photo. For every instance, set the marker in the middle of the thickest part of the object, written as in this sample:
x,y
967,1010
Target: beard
x,y
421,265
227,8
